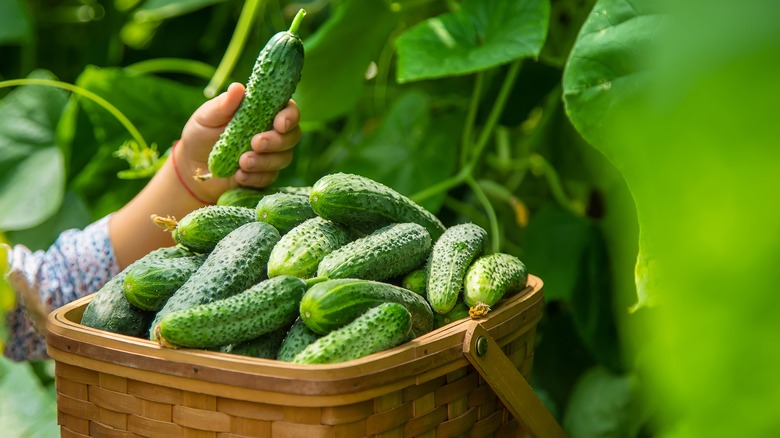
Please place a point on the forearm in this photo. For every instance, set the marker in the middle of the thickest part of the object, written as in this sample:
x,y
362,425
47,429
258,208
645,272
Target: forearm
x,y
131,230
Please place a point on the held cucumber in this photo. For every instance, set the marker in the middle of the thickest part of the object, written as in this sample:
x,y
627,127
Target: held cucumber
x,y
263,308
378,329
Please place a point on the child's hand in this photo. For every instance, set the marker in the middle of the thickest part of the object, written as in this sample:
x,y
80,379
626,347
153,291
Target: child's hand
x,y
271,150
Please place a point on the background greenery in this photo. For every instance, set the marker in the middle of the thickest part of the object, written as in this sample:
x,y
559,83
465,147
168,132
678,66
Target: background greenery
x,y
625,150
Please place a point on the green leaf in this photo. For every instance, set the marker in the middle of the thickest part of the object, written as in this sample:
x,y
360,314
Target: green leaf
x,y
410,150
32,175
73,213
338,55
14,22
26,408
607,67
480,35
605,405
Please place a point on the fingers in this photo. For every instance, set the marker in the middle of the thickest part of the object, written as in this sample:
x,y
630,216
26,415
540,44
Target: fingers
x,y
288,118
273,141
256,179
251,162
217,112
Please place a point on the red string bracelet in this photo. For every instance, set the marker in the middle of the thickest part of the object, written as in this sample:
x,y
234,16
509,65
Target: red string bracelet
x,y
181,180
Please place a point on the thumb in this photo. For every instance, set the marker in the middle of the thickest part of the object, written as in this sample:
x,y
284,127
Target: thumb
x,y
217,112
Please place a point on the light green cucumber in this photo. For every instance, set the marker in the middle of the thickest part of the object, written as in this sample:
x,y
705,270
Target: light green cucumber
x,y
242,196
297,338
331,304
300,251
366,205
380,328
236,263
285,211
450,257
201,229
263,308
491,278
392,250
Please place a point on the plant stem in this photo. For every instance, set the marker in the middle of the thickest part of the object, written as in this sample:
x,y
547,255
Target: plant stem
x,y
541,166
173,65
114,111
443,186
495,235
236,44
471,115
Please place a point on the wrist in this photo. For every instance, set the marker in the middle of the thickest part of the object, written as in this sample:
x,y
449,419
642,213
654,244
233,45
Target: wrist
x,y
185,171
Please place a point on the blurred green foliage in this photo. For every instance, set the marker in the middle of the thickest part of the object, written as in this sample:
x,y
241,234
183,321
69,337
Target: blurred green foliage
x,y
625,150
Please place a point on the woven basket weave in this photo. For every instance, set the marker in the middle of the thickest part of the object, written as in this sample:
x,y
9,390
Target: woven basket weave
x,y
445,383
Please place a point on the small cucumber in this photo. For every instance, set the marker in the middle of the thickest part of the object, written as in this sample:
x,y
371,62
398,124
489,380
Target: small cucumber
x,y
459,311
247,197
285,211
201,229
366,205
300,251
148,285
451,255
331,304
297,338
392,250
415,281
378,329
264,346
490,278
109,309
274,78
267,306
236,263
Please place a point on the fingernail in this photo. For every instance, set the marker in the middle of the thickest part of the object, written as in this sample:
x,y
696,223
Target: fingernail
x,y
251,161
287,124
263,144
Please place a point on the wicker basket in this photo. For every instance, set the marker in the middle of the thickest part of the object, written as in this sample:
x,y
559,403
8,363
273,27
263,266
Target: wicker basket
x,y
450,382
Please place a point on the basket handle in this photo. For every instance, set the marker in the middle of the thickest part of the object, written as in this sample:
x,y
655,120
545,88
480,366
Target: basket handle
x,y
511,387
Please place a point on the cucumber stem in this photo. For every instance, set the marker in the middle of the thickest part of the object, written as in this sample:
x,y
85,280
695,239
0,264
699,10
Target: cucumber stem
x,y
296,23
167,223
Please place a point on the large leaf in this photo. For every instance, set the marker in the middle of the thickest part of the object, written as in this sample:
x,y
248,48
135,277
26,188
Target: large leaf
x,y
32,175
73,213
14,22
480,35
26,408
411,150
338,56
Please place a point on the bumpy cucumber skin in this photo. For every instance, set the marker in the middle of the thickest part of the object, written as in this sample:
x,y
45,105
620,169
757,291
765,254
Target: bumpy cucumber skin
x,y
148,285
416,281
264,346
366,205
300,251
392,250
274,77
459,311
378,329
285,211
492,277
109,309
247,197
331,304
201,229
266,306
297,338
236,263
450,257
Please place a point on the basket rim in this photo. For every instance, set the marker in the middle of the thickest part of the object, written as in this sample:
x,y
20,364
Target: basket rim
x,y
418,360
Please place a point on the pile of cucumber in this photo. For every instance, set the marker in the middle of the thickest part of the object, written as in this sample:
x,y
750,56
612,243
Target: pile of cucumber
x,y
322,274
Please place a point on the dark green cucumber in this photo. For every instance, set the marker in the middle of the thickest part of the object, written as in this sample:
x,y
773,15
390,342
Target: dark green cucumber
x,y
459,311
490,278
285,211
264,346
301,250
450,257
272,83
392,250
242,197
236,263
109,309
415,281
264,307
148,285
201,229
366,204
378,329
331,304
297,338
294,190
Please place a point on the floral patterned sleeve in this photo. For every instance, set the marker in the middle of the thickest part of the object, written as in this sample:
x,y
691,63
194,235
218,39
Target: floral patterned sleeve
x,y
78,263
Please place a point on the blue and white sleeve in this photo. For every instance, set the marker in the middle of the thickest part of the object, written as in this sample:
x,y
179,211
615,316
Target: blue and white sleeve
x,y
79,263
